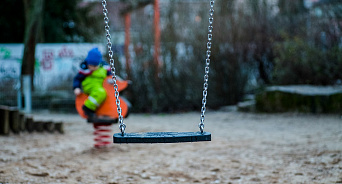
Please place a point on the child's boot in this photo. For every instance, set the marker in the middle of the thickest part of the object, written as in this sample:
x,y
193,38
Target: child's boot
x,y
90,113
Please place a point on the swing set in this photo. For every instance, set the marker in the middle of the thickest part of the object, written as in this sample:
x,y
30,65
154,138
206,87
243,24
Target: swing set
x,y
122,108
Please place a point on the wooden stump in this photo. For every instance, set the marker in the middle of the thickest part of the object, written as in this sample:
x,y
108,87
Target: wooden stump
x,y
49,126
59,127
14,120
38,126
4,120
22,121
29,124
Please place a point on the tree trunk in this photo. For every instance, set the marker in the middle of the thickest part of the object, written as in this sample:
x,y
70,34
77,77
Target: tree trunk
x,y
33,22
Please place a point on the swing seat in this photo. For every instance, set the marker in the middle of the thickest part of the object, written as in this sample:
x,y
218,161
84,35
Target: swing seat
x,y
161,137
107,112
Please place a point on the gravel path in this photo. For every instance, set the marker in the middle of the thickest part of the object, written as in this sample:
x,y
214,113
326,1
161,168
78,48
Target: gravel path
x,y
245,148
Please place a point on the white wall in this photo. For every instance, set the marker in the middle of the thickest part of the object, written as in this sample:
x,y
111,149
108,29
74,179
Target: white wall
x,y
55,63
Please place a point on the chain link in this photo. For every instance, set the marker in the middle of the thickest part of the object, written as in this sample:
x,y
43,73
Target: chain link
x,y
122,125
207,62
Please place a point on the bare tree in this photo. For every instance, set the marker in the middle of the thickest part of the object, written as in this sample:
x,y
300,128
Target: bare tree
x,y
33,17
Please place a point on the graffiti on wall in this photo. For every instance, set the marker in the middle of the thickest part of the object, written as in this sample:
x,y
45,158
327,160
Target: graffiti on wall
x,y
10,67
56,64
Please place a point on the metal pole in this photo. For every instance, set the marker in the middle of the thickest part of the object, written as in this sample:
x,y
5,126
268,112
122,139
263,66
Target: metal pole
x,y
156,36
19,95
27,93
127,42
19,102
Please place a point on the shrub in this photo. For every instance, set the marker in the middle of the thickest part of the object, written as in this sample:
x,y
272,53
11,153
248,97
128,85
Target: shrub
x,y
298,62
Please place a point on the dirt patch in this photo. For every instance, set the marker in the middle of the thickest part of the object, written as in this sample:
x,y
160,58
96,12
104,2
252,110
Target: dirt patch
x,y
245,148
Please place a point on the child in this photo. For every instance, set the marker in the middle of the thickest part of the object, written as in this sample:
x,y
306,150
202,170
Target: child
x,y
90,78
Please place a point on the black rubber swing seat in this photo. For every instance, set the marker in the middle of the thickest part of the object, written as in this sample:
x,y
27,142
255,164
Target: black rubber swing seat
x,y
161,137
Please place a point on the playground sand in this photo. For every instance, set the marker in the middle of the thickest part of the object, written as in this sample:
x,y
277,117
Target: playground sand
x,y
245,148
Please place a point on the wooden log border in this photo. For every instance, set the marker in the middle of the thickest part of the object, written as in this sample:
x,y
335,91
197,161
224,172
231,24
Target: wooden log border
x,y
14,121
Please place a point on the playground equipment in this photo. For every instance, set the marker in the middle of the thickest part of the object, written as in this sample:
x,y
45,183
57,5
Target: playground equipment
x,y
106,113
160,137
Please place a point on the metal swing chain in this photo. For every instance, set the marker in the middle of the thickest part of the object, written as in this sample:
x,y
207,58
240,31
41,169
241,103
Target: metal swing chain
x,y
122,125
207,62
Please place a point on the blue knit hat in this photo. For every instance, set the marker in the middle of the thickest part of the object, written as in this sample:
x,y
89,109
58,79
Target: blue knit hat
x,y
94,57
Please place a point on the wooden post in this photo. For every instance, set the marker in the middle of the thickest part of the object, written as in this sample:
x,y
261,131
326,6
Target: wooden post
x,y
4,120
49,126
38,126
29,124
22,121
59,127
14,120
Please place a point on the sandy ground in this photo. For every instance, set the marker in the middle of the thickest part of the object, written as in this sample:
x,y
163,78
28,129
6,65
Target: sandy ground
x,y
245,148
